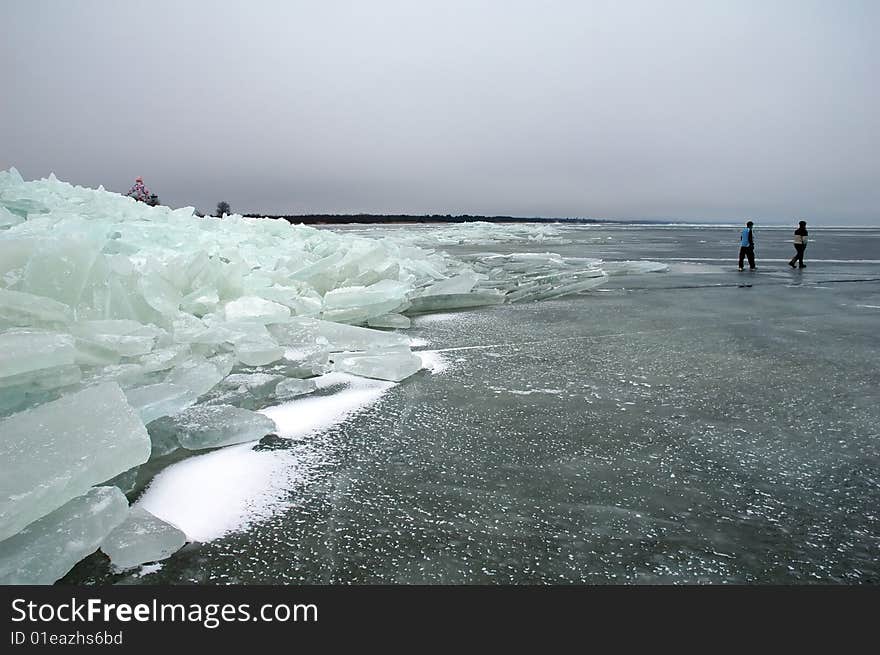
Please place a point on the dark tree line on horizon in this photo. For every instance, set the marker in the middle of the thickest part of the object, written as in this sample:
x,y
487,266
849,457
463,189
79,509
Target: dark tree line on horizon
x,y
310,219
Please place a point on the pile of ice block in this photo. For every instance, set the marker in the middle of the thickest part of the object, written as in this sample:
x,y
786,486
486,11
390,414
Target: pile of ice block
x,y
128,332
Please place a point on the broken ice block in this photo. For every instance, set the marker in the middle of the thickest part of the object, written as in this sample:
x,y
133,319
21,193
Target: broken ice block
x,y
163,437
26,309
293,387
200,375
337,337
49,547
245,390
258,352
156,400
56,451
60,269
357,304
254,308
141,538
390,321
200,302
443,302
23,351
212,426
462,283
41,380
160,294
394,366
8,219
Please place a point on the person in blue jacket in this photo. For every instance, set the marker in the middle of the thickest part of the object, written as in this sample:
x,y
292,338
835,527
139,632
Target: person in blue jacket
x,y
747,247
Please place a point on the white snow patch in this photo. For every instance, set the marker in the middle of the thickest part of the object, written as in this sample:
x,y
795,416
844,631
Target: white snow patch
x,y
303,416
147,569
433,361
211,495
226,491
418,342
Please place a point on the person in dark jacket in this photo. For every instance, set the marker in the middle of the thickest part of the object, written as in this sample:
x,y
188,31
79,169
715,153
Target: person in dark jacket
x,y
800,245
747,246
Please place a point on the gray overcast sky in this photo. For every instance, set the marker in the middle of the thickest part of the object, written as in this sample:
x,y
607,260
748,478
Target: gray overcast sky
x,y
713,110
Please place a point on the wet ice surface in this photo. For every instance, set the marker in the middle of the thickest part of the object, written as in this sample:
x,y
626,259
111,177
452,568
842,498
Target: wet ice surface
x,y
699,426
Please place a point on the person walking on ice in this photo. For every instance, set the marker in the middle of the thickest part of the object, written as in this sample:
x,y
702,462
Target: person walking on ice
x,y
747,247
800,245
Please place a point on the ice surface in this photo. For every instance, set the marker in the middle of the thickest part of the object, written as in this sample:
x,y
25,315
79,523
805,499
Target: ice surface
x,y
141,538
49,547
58,450
212,426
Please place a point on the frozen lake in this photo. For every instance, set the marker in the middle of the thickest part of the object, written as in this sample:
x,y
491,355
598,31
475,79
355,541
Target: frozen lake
x,y
696,426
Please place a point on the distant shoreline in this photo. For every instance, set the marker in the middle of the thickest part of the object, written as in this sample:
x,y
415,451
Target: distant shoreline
x,y
402,219
434,219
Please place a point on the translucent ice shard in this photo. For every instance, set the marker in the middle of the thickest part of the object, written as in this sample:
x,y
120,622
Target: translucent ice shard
x,y
443,302
49,547
394,366
25,351
200,375
245,390
141,538
292,387
60,269
301,331
258,352
357,304
58,450
8,219
253,308
156,400
390,321
26,309
212,426
462,283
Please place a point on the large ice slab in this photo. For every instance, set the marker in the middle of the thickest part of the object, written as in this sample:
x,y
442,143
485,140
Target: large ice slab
x,y
141,538
23,351
292,387
395,366
58,450
157,400
49,547
337,337
212,426
24,309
